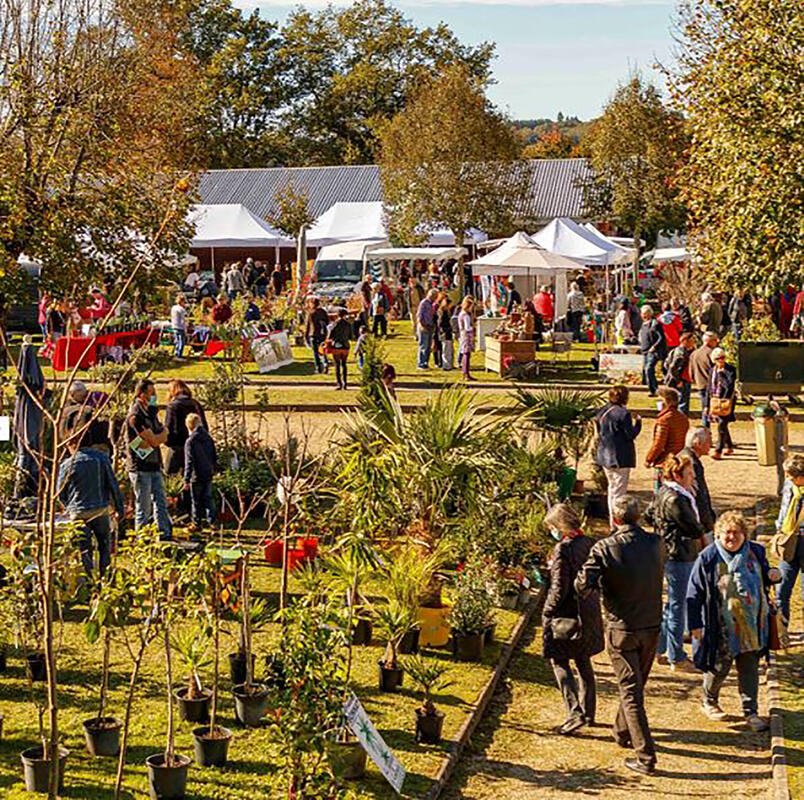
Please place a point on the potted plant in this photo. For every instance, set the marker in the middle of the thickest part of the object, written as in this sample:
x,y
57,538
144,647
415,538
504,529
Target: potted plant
x,y
167,770
596,503
192,644
429,676
211,742
102,732
348,571
405,578
470,614
393,621
251,699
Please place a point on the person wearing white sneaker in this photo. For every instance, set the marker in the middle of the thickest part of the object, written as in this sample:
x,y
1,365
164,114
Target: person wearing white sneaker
x,y
728,612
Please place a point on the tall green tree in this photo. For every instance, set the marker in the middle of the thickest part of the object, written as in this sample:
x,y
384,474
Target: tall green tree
x,y
740,84
348,67
450,159
635,150
292,210
242,75
98,122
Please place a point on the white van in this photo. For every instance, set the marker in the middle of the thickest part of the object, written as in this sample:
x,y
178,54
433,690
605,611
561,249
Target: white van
x,y
339,268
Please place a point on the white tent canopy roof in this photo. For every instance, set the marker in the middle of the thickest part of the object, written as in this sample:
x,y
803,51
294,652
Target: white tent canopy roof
x,y
567,238
348,222
670,254
624,242
443,237
232,225
416,253
520,255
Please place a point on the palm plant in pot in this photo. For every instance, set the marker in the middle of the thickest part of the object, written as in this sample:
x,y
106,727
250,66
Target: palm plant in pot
x,y
393,622
429,676
471,612
348,569
192,645
405,577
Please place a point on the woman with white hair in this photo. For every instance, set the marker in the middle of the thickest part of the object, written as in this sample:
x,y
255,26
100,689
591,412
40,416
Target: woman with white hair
x,y
722,383
576,306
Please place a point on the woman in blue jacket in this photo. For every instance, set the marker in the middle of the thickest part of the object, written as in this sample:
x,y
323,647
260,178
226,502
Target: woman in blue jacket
x,y
728,614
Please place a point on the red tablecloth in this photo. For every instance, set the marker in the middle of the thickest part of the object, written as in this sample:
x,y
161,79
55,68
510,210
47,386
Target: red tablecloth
x,y
215,346
83,350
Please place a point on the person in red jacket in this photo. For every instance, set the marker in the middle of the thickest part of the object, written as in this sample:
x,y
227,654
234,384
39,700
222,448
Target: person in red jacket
x,y
671,323
543,302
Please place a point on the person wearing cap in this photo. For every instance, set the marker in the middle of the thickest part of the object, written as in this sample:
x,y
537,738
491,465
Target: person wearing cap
x,y
379,310
722,383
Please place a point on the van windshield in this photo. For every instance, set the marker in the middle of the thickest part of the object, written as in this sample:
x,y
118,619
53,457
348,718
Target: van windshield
x,y
339,270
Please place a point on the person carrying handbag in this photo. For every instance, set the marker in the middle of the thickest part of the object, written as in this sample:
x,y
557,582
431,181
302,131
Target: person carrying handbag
x,y
572,627
720,390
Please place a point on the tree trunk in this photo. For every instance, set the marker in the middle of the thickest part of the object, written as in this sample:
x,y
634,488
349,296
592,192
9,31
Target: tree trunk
x,y
169,676
107,641
216,609
121,759
246,605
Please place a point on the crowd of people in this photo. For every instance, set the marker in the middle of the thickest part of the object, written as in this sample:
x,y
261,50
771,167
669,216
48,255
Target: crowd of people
x,y
698,577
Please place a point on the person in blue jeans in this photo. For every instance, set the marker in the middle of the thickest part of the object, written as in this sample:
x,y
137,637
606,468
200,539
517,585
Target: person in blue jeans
x,y
200,463
788,544
653,347
145,434
676,520
87,488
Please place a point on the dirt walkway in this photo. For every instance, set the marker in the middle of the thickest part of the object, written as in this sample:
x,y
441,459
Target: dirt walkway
x,y
516,756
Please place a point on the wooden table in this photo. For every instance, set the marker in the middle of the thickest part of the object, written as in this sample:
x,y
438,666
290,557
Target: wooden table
x,y
498,351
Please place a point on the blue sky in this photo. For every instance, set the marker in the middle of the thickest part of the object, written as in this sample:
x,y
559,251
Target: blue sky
x,y
552,55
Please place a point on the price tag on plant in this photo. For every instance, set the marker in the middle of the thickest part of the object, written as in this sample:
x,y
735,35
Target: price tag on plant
x,y
368,736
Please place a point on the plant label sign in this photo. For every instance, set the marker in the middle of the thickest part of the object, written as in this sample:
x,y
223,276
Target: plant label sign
x,y
368,736
5,429
617,365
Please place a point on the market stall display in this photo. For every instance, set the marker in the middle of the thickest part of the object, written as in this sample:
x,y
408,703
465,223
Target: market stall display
x,y
84,351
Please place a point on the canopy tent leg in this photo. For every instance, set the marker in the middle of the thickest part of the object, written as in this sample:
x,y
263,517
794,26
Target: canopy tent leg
x,y
212,257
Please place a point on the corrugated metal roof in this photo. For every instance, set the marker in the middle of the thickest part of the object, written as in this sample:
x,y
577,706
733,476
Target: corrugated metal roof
x,y
556,187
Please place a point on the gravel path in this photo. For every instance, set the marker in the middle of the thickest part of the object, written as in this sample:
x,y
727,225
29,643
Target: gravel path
x,y
515,755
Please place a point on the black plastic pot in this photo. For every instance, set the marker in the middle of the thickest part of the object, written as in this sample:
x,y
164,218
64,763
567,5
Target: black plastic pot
x,y
250,707
211,751
1,727
103,735
389,680
3,656
488,634
409,643
37,769
193,710
237,667
361,633
596,505
167,783
36,666
347,759
428,727
468,647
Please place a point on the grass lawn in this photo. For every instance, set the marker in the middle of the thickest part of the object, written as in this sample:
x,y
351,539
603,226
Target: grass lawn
x,y
252,772
791,696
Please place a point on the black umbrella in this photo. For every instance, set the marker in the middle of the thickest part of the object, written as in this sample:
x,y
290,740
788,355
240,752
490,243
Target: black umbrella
x,y
28,420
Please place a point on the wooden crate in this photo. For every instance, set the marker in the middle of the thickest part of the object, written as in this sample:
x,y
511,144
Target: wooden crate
x,y
497,350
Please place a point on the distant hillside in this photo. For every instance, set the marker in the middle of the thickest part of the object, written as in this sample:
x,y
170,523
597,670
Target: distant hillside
x,y
571,127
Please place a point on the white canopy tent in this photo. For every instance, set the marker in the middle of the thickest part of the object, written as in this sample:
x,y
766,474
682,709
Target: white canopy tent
x,y
669,254
567,238
416,253
348,222
232,225
623,242
521,255
443,237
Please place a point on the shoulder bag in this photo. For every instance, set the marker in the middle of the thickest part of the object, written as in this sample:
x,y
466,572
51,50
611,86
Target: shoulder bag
x,y
719,406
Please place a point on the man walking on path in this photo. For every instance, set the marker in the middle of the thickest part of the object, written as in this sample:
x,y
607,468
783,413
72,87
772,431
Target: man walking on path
x,y
699,443
701,369
627,569
653,347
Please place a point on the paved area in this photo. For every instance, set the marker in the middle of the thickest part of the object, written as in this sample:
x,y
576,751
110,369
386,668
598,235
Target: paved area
x,y
515,754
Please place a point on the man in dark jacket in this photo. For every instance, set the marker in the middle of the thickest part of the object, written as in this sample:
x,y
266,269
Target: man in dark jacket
x,y
699,443
316,334
616,453
677,370
653,347
200,459
627,569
